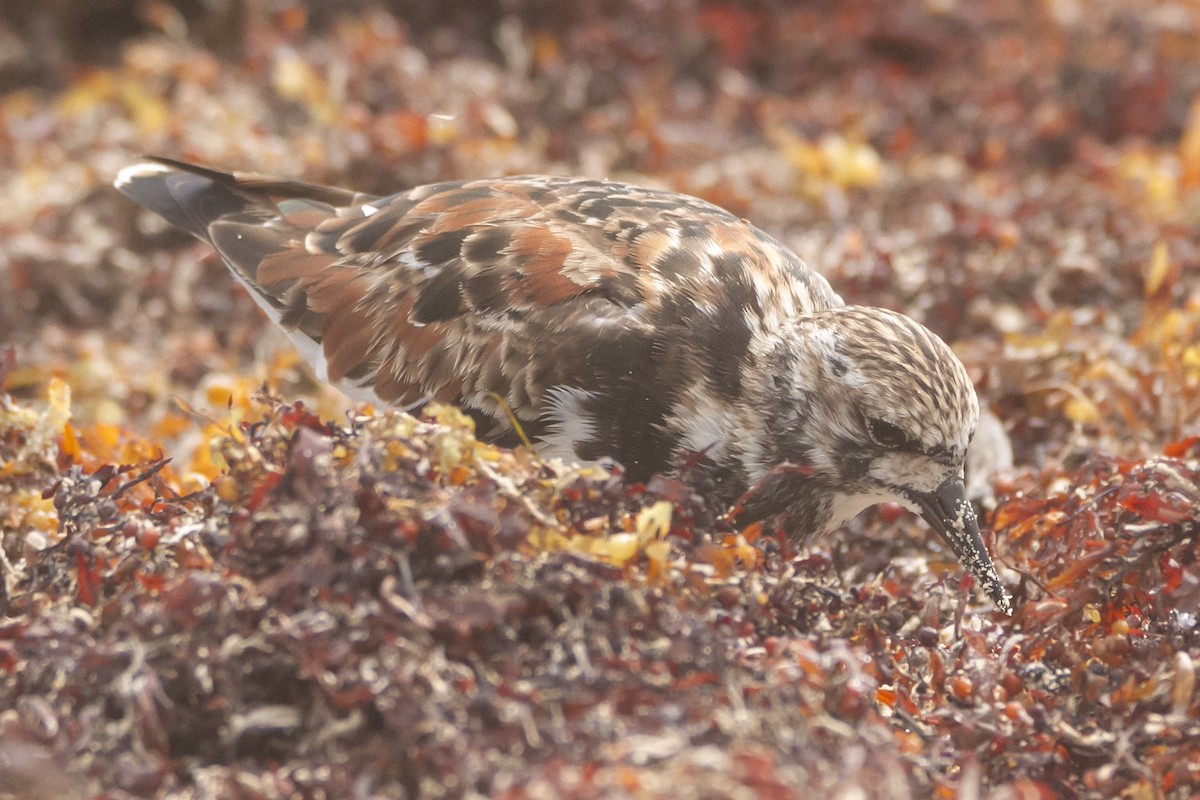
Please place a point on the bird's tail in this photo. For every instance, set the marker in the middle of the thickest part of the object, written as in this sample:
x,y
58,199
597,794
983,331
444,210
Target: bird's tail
x,y
194,197
185,195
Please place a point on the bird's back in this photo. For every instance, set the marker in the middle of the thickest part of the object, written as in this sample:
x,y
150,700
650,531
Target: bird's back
x,y
576,301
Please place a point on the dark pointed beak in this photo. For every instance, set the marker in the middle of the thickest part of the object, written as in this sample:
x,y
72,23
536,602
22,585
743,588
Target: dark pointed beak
x,y
947,510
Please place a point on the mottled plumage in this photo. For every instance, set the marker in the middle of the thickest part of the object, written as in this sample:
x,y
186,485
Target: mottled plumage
x,y
613,320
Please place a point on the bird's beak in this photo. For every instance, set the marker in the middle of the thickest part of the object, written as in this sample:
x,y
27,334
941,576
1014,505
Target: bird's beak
x,y
948,511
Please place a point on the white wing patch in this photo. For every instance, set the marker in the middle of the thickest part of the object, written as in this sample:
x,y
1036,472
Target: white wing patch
x,y
702,422
569,421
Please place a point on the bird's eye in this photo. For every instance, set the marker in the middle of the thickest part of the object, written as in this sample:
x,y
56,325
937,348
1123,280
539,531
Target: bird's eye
x,y
887,434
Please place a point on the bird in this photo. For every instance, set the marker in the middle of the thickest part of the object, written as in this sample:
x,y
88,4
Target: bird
x,y
613,322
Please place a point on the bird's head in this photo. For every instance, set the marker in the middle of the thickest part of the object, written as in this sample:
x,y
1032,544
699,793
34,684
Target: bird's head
x,y
869,406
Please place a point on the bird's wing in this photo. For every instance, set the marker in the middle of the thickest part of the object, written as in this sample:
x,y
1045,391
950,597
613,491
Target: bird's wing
x,y
511,286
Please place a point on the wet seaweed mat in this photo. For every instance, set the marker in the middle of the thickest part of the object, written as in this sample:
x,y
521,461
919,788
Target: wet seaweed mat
x,y
391,606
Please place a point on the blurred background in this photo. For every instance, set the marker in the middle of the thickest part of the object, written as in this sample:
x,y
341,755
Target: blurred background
x,y
1021,176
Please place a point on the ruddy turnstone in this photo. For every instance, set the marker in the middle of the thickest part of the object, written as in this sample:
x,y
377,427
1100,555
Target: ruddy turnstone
x,y
650,327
